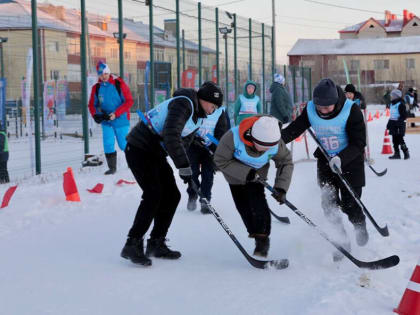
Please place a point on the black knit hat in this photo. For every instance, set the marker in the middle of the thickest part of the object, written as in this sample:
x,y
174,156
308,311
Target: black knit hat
x,y
325,93
210,92
350,88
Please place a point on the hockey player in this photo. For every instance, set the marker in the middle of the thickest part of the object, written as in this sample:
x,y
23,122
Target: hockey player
x,y
248,104
396,125
338,124
245,152
109,104
200,154
355,96
165,130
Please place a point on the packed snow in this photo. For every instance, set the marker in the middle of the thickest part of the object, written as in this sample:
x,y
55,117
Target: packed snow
x,y
63,258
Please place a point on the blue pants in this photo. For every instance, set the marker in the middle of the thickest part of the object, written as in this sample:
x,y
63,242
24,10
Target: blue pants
x,y
109,133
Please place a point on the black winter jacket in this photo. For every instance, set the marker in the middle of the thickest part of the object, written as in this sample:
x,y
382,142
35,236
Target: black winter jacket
x,y
179,111
397,127
359,96
352,157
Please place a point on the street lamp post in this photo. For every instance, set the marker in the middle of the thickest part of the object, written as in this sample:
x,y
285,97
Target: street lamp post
x,y
2,40
225,31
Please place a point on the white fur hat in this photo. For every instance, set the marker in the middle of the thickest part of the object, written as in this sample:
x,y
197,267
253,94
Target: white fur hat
x,y
278,78
266,131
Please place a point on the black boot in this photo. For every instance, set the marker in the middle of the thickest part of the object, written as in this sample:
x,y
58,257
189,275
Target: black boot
x,y
362,235
262,245
192,203
396,155
134,251
405,151
157,247
111,160
204,208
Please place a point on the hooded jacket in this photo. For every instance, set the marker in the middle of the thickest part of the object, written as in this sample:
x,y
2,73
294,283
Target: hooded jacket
x,y
397,127
235,172
179,111
281,103
352,157
237,117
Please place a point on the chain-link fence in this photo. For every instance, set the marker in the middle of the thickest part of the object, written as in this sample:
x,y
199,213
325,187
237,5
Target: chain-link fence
x,y
166,44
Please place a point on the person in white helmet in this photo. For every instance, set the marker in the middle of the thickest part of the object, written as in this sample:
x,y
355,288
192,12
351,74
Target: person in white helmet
x,y
243,155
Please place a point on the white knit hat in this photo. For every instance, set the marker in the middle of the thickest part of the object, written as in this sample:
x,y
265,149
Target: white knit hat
x,y
278,78
266,131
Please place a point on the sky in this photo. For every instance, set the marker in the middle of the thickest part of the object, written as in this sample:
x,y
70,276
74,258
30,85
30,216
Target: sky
x,y
295,18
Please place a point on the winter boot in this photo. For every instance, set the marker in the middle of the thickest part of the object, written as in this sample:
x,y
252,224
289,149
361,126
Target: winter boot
x,y
396,155
405,151
134,251
111,160
362,235
192,203
262,245
157,247
204,208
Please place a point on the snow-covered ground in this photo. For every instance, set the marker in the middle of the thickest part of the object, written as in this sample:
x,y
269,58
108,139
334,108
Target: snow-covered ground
x,y
61,257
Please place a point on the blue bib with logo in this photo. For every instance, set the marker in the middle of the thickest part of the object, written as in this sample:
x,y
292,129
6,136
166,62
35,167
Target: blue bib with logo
x,y
394,112
209,124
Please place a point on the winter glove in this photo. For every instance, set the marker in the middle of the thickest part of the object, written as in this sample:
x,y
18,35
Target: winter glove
x,y
252,176
98,118
335,163
280,195
186,174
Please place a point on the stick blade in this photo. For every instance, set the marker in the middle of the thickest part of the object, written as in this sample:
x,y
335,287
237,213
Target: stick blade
x,y
385,263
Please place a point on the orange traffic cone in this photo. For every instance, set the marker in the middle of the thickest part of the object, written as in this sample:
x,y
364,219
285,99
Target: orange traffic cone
x,y
69,186
377,114
386,148
370,117
388,113
410,302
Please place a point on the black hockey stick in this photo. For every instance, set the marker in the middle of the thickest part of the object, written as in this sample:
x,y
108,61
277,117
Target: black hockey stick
x,y
216,142
261,264
376,172
388,262
383,231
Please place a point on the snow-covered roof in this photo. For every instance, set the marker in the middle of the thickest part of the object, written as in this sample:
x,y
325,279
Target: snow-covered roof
x,y
370,46
394,26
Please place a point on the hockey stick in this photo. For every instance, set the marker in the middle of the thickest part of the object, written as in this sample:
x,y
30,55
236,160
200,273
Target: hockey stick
x,y
376,172
388,262
383,231
279,218
261,264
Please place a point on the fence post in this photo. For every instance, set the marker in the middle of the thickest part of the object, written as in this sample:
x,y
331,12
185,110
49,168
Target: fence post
x,y
35,45
226,71
310,84
83,73
294,84
178,54
302,74
217,47
250,49
263,70
199,46
273,62
183,52
121,37
152,66
235,56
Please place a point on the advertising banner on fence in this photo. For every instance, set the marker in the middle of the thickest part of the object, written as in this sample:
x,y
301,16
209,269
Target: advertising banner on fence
x,y
3,84
49,96
61,99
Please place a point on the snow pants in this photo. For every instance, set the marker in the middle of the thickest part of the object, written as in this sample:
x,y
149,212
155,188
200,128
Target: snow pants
x,y
160,194
109,133
252,205
201,157
335,195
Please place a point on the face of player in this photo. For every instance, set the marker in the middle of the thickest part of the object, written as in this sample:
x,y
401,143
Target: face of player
x,y
208,107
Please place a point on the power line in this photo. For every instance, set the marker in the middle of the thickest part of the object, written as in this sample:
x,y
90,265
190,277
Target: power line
x,y
227,3
343,7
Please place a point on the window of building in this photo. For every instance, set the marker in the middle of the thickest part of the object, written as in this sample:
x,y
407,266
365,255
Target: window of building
x,y
73,46
205,60
159,54
127,55
192,60
415,24
54,46
381,64
354,65
371,26
114,53
410,63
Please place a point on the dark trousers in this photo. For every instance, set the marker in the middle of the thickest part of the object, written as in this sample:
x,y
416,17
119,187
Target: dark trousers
x,y
397,141
4,174
252,206
160,194
335,195
201,157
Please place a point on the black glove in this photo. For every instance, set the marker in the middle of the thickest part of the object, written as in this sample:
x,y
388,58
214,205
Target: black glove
x,y
280,195
186,174
252,176
98,118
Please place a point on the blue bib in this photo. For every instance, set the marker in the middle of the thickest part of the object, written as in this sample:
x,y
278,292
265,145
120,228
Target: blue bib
x,y
357,101
241,154
157,117
248,105
394,112
331,132
209,124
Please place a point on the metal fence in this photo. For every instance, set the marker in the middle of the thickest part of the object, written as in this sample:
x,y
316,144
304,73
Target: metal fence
x,y
156,46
